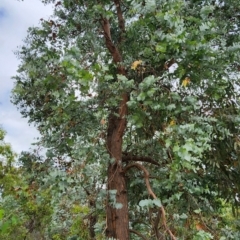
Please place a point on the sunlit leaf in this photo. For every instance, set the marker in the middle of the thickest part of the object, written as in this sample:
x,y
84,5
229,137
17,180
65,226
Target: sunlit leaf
x,y
135,64
186,82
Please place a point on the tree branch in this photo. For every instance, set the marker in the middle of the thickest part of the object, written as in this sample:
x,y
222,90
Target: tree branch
x,y
158,234
117,58
151,193
129,157
146,176
137,233
116,124
121,22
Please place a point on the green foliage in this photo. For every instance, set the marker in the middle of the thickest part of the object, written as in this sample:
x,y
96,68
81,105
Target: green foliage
x,y
150,203
203,235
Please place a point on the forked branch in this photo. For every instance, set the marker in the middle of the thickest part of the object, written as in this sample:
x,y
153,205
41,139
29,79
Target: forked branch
x,y
116,124
151,193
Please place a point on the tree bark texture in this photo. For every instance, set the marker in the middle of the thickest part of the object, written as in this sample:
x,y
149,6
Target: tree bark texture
x,y
117,219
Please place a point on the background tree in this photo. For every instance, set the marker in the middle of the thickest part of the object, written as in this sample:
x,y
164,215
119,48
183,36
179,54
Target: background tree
x,y
146,92
7,169
37,200
24,208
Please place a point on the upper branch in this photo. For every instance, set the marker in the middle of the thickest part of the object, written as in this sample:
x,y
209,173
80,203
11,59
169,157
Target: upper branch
x,y
108,40
121,22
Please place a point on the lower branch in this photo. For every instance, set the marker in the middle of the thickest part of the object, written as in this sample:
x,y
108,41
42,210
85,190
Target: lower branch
x,y
159,235
151,193
137,233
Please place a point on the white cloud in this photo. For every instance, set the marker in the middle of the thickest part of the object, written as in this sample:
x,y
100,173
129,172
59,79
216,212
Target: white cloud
x,y
19,134
15,18
18,17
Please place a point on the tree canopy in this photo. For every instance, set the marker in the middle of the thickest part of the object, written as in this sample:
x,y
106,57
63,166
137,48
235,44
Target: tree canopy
x,y
138,102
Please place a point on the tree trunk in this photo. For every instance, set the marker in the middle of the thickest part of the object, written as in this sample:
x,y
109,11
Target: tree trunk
x,y
117,219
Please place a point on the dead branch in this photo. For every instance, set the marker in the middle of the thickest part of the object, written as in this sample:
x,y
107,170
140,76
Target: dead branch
x,y
151,193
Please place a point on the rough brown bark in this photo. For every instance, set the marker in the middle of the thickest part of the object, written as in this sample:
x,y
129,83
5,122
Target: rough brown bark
x,y
117,219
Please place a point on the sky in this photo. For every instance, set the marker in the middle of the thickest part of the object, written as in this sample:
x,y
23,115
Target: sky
x,y
15,18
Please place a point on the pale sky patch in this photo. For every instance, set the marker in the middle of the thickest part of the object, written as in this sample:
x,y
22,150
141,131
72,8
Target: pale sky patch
x,y
15,18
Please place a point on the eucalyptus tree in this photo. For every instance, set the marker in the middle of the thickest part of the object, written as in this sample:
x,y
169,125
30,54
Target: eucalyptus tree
x,y
147,93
